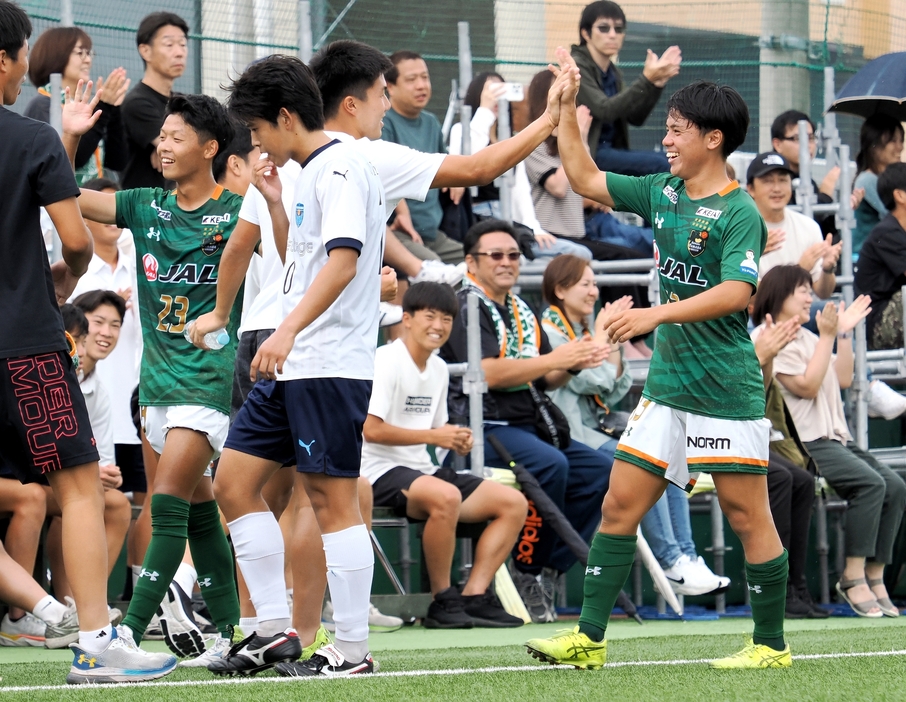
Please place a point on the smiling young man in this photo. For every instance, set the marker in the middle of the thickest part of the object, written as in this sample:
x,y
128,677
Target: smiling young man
x,y
184,392
702,408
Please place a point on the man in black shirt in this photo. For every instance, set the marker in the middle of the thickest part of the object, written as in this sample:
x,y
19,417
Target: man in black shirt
x,y
882,264
45,432
515,353
162,40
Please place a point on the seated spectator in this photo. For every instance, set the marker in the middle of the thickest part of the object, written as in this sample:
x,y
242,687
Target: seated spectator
x,y
407,123
408,410
569,289
560,209
519,364
880,145
791,473
614,106
67,50
792,237
482,95
810,378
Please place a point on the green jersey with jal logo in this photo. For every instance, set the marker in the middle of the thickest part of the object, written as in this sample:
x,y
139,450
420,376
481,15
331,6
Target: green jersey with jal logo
x,y
707,368
178,257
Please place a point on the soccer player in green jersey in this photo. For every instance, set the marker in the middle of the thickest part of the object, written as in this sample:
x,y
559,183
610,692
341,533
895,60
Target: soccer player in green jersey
x,y
702,408
184,391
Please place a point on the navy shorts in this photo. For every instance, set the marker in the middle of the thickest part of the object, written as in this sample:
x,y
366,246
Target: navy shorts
x,y
314,423
44,424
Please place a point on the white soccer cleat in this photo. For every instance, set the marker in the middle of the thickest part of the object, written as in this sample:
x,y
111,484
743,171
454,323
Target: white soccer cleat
x,y
217,652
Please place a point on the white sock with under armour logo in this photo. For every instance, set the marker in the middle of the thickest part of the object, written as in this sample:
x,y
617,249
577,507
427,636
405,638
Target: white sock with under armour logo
x,y
95,641
350,567
49,610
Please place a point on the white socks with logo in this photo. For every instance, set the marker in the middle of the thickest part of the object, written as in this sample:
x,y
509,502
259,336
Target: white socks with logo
x,y
350,567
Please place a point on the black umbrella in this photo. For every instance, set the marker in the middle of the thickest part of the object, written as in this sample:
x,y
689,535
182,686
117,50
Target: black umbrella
x,y
879,87
550,512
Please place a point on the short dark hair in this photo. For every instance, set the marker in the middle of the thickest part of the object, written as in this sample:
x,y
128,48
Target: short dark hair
x,y
595,11
877,132
893,178
51,52
240,145
710,106
275,82
151,24
431,296
88,302
785,120
777,285
101,184
205,115
488,226
15,29
392,74
74,320
344,68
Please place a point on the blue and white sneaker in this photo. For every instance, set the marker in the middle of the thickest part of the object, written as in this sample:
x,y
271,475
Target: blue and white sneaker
x,y
121,661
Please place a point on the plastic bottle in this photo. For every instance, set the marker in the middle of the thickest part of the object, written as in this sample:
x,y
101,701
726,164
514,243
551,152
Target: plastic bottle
x,y
214,340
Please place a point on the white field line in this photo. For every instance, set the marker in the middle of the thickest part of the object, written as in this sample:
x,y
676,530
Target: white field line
x,y
424,673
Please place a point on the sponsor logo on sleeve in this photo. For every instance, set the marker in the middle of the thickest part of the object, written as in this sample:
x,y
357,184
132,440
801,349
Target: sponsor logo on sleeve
x,y
748,265
162,214
671,195
150,265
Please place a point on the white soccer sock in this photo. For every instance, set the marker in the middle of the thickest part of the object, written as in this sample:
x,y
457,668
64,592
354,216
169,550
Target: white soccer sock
x,y
49,610
95,641
136,573
350,567
185,577
249,625
258,543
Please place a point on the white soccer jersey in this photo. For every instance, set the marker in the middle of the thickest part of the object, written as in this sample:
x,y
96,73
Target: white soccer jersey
x,y
404,396
338,202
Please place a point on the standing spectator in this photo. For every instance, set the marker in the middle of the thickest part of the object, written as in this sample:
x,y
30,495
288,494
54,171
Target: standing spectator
x,y
520,364
163,45
613,106
407,123
880,145
67,50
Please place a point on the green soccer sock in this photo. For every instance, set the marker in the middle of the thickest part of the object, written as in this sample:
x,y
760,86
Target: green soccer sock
x,y
767,590
609,563
214,563
169,516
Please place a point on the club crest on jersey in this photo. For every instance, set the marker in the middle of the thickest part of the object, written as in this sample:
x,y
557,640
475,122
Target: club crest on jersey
x,y
151,267
300,213
698,240
211,244
748,265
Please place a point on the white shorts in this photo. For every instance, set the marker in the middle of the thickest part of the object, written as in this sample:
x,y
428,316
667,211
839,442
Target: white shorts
x,y
679,445
157,421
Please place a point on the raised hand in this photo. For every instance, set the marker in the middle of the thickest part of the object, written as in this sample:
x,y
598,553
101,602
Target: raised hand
x,y
812,255
774,337
490,94
265,178
607,313
80,111
115,87
776,237
849,317
832,253
628,324
660,69
826,320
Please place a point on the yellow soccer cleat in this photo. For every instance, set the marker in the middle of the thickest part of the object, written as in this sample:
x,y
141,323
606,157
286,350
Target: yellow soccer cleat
x,y
569,648
755,656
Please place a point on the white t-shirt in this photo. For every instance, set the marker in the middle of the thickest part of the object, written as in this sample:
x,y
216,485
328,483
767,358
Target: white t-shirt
x,y
801,232
338,202
405,397
119,371
97,401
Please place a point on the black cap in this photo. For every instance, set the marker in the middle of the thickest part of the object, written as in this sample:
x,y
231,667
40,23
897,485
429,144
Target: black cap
x,y
764,163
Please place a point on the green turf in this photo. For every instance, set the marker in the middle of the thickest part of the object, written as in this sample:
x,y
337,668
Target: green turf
x,y
862,678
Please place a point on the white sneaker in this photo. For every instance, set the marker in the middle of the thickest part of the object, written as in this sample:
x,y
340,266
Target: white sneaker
x,y
218,651
687,578
723,581
438,272
67,631
25,631
177,620
884,401
390,314
121,661
380,622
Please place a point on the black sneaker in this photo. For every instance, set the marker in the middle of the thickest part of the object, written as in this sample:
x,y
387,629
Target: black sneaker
x,y
529,589
795,607
257,653
817,611
446,611
329,662
486,610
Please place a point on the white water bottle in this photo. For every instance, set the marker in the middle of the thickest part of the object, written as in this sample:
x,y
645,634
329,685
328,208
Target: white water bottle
x,y
214,340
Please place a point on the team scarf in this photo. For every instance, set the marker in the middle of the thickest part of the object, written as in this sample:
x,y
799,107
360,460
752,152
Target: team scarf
x,y
522,337
557,320
94,167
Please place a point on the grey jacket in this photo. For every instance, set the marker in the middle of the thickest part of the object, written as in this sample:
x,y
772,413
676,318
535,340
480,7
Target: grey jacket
x,y
630,105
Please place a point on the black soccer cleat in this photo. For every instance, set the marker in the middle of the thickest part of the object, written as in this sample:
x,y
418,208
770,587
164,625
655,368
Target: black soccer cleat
x,y
327,662
256,653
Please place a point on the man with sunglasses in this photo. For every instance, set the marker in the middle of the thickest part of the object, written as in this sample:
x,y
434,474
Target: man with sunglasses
x,y
519,365
614,106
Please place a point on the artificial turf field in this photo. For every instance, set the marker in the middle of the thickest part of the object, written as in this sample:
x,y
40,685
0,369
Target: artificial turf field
x,y
835,659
